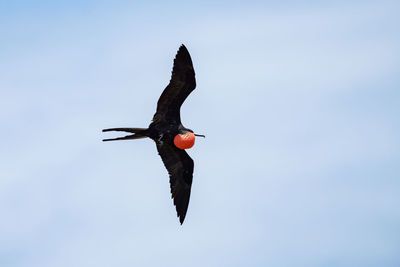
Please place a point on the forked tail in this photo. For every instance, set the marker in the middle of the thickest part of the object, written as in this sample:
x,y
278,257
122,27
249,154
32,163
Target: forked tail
x,y
137,133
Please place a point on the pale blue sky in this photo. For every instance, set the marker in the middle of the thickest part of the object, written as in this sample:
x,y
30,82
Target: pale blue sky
x,y
299,101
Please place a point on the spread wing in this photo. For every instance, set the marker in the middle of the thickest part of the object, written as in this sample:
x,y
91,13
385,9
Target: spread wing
x,y
182,83
180,170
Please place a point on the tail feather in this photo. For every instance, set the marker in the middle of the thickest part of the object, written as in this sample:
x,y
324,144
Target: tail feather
x,y
129,130
137,133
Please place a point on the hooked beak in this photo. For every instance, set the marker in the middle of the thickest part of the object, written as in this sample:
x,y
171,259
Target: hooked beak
x,y
200,135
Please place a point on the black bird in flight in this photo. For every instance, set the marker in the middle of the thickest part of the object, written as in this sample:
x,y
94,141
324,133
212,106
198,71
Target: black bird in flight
x,y
167,131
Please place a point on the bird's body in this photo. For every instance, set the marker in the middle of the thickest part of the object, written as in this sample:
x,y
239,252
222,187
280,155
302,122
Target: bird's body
x,y
167,131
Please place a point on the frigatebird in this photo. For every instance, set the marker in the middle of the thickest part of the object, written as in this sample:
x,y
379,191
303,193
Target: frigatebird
x,y
167,131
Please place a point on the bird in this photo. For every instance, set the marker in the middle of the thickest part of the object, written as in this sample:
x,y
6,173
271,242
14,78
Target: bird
x,y
170,136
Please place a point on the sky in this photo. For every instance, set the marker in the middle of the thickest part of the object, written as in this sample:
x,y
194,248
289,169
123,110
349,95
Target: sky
x,y
299,102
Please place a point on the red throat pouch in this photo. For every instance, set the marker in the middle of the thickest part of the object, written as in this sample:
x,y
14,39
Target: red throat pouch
x,y
184,141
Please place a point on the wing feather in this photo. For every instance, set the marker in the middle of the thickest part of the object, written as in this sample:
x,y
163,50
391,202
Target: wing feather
x,y
180,169
182,83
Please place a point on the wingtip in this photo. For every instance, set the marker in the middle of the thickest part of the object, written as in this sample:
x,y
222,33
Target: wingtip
x,y
183,48
182,59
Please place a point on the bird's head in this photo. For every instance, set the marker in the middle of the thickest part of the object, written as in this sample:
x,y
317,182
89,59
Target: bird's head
x,y
185,139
